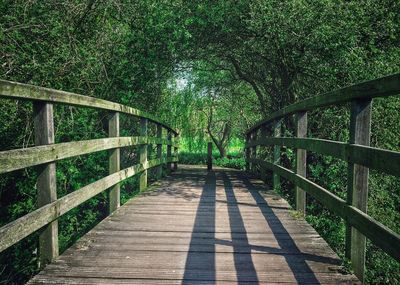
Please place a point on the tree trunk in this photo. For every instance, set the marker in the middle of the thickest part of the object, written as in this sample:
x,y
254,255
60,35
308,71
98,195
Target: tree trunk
x,y
222,151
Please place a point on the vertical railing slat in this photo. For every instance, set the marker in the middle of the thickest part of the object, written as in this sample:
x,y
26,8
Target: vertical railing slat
x,y
357,190
176,140
209,156
114,162
277,154
143,154
263,134
301,160
159,151
248,152
46,182
169,151
253,151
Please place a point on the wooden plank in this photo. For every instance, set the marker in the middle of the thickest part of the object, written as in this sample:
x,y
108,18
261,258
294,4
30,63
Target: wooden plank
x,y
28,224
114,163
364,155
379,234
277,154
357,187
15,90
140,246
143,154
159,150
301,160
46,181
381,87
21,158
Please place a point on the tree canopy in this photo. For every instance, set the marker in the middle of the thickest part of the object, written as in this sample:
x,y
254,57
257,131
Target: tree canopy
x,y
210,69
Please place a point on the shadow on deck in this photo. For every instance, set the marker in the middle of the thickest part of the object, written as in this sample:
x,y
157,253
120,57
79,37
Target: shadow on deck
x,y
200,227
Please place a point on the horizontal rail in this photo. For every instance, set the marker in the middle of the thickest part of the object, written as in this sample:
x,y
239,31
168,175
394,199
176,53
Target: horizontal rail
x,y
379,234
26,157
381,87
15,90
28,224
364,155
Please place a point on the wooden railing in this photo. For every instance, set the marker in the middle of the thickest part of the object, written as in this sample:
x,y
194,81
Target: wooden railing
x,y
357,152
46,152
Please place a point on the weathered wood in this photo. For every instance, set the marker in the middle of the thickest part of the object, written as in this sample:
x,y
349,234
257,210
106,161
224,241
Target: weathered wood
x,y
159,150
21,158
169,151
114,163
46,181
381,87
379,234
301,160
277,154
14,90
209,156
212,244
143,155
247,152
359,154
263,134
175,146
357,188
28,224
253,152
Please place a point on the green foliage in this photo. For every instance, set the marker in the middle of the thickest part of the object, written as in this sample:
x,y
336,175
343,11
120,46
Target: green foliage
x,y
185,60
231,161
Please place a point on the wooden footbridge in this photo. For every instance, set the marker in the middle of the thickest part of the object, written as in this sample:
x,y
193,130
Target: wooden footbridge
x,y
198,226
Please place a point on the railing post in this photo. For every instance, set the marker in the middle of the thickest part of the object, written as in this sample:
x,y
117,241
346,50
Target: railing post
x,y
357,188
253,151
209,156
114,162
301,160
277,154
159,151
264,133
46,182
176,151
248,153
169,149
143,154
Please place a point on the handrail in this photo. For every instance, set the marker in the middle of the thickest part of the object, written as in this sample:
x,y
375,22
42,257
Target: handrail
x,y
46,153
381,87
15,159
357,152
378,233
15,90
30,223
371,157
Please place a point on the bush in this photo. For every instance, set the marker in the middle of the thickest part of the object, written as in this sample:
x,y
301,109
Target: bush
x,y
233,160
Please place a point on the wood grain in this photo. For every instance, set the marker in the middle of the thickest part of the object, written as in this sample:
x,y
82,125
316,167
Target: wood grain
x,y
15,90
28,224
381,87
46,181
200,227
378,233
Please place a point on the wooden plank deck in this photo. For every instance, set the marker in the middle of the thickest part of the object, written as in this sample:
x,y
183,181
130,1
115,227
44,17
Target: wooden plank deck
x,y
200,227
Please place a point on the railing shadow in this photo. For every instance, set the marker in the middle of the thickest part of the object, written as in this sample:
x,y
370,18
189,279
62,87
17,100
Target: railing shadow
x,y
201,263
285,241
245,270
202,256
